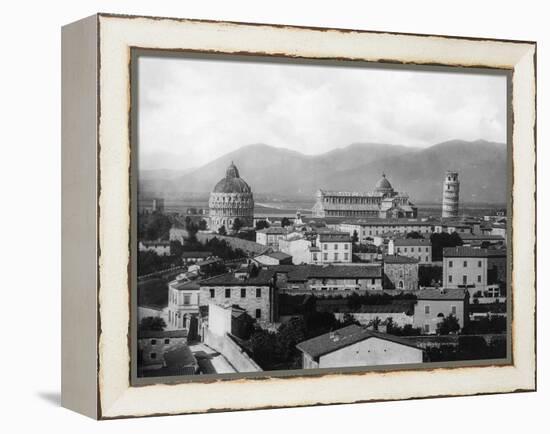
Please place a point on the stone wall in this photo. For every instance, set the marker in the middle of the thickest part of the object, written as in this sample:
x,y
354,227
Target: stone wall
x,y
401,276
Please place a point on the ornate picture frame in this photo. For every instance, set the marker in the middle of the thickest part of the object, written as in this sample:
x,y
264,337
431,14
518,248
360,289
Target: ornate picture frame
x,y
99,310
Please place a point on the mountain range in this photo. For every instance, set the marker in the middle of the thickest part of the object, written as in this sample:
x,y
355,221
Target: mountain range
x,y
357,167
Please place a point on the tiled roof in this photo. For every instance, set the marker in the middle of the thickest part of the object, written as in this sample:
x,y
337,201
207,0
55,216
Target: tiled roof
x,y
273,230
161,334
279,255
397,259
334,237
180,356
441,294
388,222
342,338
301,273
481,237
412,242
185,285
228,279
469,252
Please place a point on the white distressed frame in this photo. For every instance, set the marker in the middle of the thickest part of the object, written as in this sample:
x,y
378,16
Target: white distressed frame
x,y
116,35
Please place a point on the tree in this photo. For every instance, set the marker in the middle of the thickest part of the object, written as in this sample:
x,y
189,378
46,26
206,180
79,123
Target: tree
x,y
448,325
237,225
176,248
349,319
222,230
355,237
442,240
415,235
202,225
428,275
285,222
152,323
261,224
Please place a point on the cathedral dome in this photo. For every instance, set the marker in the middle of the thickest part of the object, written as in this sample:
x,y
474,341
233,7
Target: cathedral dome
x,y
232,183
383,184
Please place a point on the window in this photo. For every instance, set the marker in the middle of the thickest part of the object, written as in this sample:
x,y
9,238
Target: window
x,y
427,250
258,313
243,292
453,310
336,256
412,249
450,264
153,355
346,246
315,257
373,281
187,299
465,263
464,280
336,247
325,256
405,249
227,292
479,264
166,341
258,292
450,279
346,256
427,309
478,279
153,341
426,328
325,246
212,293
427,259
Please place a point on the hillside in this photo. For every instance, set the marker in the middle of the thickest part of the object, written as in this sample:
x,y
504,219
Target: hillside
x,y
357,167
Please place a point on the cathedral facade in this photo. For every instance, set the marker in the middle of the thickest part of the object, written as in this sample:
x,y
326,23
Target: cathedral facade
x,y
230,200
383,202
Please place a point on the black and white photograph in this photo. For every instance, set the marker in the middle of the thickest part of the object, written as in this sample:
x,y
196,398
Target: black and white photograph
x,y
297,215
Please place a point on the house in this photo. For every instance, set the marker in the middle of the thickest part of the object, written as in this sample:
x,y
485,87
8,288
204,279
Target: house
x,y
154,344
368,228
335,247
271,236
273,258
481,240
160,247
434,304
253,291
301,249
194,257
183,305
479,270
400,272
401,314
326,280
418,248
355,345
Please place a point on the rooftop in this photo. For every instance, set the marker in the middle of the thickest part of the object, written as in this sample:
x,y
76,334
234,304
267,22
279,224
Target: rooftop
x,y
470,252
388,222
481,237
341,338
412,242
263,278
300,273
185,285
397,259
278,255
273,230
441,294
331,237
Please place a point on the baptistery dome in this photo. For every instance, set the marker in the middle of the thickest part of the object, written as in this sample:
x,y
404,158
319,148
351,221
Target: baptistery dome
x,y
383,185
231,202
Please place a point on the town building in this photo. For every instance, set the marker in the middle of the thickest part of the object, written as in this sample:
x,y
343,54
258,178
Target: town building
x,y
271,236
194,257
153,344
400,272
367,229
326,280
478,270
383,202
480,240
417,248
301,249
231,199
273,258
254,293
183,305
151,205
335,247
355,345
434,304
160,247
451,189
400,314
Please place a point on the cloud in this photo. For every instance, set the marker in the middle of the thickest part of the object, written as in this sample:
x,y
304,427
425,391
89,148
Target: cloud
x,y
194,110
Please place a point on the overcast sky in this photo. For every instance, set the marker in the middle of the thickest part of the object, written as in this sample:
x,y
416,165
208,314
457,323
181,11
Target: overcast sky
x,y
192,111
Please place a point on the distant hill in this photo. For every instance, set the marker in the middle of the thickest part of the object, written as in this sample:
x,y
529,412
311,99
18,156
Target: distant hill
x,y
357,167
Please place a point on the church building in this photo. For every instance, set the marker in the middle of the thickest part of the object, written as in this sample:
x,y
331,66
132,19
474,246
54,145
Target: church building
x,y
383,202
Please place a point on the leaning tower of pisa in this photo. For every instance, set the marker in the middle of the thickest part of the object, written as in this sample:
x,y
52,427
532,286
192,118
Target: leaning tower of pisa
x,y
451,188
